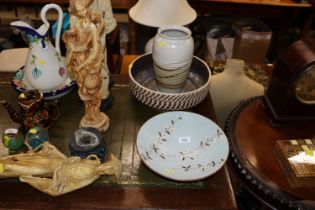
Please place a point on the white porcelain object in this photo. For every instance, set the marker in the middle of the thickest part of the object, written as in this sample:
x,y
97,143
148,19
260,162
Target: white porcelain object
x,y
148,46
182,146
44,68
172,53
230,87
64,89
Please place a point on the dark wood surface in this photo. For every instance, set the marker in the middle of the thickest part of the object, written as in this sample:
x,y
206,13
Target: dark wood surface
x,y
252,141
21,196
216,191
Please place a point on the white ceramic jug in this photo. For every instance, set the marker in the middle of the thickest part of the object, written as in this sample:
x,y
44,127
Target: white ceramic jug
x,y
44,68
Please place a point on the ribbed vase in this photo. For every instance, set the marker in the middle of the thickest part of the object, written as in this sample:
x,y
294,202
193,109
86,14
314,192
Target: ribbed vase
x,y
172,53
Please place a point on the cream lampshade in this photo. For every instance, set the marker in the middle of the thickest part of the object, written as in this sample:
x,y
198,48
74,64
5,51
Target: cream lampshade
x,y
157,13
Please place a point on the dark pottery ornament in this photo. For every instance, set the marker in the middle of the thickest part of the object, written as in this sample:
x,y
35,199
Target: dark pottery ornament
x,y
13,139
34,111
87,141
35,137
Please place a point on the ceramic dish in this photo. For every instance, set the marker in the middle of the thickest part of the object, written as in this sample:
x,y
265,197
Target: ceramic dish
x,y
48,95
182,146
143,85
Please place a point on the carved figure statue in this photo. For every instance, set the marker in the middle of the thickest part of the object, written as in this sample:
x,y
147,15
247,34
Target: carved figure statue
x,y
85,55
104,7
50,171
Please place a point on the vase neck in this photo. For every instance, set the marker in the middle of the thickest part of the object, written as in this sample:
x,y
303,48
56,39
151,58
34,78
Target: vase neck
x,y
174,32
235,67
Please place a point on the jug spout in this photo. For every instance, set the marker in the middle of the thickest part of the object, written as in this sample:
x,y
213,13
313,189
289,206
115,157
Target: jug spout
x,y
42,31
14,115
33,35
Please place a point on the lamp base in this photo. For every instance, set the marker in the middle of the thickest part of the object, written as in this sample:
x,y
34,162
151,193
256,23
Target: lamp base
x,y
148,46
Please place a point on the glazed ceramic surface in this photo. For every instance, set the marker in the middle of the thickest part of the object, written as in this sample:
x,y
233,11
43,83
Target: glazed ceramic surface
x,y
33,111
44,68
172,54
173,46
19,85
36,136
12,139
182,146
144,86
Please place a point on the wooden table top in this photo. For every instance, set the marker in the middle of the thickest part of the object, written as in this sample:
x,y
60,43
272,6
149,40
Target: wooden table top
x,y
253,144
215,192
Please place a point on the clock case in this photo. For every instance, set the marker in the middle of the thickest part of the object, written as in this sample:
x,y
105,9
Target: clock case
x,y
280,99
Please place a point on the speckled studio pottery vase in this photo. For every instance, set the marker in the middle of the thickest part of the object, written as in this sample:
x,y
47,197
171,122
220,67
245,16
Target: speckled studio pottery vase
x,y
87,141
172,54
44,68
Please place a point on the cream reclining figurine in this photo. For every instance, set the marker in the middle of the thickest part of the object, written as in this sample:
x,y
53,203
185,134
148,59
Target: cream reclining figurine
x,y
50,171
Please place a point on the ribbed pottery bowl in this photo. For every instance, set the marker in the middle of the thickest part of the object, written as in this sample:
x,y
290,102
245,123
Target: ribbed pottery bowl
x,y
143,85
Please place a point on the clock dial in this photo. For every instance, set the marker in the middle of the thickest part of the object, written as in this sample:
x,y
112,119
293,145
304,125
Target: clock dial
x,y
305,86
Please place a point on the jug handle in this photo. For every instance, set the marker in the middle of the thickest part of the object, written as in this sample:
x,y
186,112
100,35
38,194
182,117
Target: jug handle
x,y
60,17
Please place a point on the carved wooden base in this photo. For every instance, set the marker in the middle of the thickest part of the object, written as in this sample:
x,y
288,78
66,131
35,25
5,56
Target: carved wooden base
x,y
252,140
102,124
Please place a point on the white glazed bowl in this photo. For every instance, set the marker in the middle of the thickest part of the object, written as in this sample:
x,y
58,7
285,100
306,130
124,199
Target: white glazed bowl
x,y
18,84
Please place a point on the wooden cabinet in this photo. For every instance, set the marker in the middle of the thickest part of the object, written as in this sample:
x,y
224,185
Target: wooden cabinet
x,y
123,4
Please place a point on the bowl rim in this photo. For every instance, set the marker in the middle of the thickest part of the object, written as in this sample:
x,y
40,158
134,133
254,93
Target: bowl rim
x,y
207,83
67,86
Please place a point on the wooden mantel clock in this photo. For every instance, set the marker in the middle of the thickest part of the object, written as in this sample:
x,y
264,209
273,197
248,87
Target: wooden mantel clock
x,y
290,97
